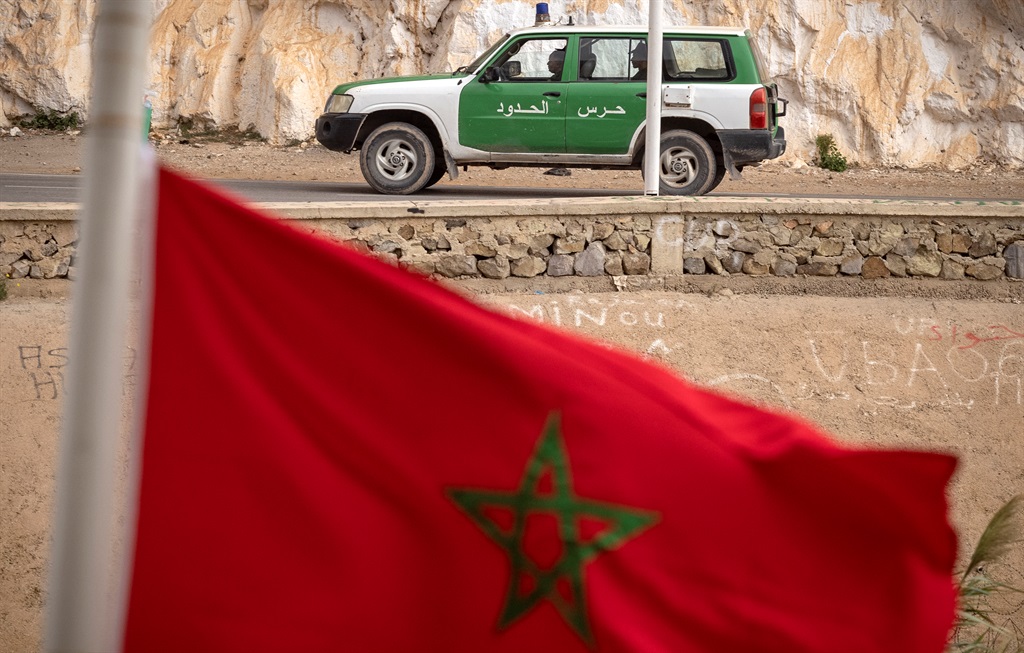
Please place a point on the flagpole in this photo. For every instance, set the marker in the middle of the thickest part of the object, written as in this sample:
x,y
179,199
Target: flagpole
x,y
81,611
652,151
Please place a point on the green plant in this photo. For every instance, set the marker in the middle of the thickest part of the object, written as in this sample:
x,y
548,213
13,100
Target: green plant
x,y
251,134
204,133
3,288
976,629
829,156
53,120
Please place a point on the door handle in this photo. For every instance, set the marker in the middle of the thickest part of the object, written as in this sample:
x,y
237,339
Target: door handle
x,y
642,95
553,94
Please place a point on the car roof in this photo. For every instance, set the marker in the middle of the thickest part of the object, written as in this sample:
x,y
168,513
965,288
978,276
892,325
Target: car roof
x,y
618,29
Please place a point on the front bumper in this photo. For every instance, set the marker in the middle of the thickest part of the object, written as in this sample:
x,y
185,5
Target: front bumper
x,y
338,131
743,146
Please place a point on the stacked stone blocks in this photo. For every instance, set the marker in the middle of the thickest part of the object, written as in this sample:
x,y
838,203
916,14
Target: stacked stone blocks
x,y
868,248
626,244
498,248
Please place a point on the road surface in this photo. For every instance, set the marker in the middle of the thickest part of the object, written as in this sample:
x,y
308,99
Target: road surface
x,y
65,188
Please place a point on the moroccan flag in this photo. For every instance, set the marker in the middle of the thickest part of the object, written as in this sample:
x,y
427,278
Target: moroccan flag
x,y
342,456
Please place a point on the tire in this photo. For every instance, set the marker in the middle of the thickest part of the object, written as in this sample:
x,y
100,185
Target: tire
x,y
688,165
440,170
397,159
719,176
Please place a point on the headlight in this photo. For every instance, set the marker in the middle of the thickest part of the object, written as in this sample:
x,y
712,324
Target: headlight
x,y
338,104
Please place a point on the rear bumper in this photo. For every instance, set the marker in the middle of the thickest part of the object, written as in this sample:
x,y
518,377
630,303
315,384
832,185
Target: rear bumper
x,y
338,131
743,146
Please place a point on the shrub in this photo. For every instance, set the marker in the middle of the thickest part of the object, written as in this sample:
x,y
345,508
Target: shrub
x,y
829,156
201,132
52,120
979,594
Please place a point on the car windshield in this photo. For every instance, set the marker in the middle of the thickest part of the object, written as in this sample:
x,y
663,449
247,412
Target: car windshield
x,y
482,59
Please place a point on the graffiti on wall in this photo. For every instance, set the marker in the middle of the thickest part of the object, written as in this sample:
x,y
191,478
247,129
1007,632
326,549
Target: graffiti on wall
x,y
42,370
907,363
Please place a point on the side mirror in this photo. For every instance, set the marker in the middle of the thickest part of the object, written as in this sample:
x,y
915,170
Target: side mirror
x,y
513,69
490,75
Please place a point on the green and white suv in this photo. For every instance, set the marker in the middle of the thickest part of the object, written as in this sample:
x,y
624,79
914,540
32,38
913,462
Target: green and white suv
x,y
572,96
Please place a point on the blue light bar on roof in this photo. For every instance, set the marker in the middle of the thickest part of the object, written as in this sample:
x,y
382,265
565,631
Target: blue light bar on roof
x,y
542,13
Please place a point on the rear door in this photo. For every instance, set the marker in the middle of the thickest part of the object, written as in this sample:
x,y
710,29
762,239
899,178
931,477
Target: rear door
x,y
606,101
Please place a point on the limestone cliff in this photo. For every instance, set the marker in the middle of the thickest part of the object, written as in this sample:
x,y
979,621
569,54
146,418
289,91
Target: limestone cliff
x,y
898,82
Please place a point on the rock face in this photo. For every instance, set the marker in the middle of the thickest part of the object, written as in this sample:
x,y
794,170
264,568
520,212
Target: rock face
x,y
909,82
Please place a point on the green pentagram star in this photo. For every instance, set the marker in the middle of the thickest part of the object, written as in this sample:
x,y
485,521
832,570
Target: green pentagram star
x,y
583,529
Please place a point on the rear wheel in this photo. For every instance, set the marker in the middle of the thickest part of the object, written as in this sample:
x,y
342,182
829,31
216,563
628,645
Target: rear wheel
x,y
440,170
688,165
719,176
397,159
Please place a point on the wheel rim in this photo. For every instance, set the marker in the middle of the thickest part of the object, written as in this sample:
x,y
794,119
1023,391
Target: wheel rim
x,y
678,167
396,159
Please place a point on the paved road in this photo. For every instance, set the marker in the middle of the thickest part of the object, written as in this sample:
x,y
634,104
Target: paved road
x,y
65,188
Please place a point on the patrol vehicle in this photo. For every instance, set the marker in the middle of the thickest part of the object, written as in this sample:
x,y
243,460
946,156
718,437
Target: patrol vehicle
x,y
566,96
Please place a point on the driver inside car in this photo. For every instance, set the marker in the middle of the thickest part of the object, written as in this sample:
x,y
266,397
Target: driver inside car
x,y
556,61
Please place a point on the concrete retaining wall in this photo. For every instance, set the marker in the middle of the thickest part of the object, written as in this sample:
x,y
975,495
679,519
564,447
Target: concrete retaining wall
x,y
616,237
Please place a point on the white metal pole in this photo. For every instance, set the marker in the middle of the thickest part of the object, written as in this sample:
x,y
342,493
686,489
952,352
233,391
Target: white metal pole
x,y
652,155
81,615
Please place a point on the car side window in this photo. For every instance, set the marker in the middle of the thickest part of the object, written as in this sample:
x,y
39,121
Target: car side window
x,y
697,60
612,59
534,60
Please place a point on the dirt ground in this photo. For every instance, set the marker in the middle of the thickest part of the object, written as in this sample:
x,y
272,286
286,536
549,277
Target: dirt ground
x,y
882,371
234,157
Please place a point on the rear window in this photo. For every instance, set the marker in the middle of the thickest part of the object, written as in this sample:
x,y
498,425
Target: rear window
x,y
698,60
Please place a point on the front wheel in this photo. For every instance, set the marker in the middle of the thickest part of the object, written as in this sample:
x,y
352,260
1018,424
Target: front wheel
x,y
397,159
688,165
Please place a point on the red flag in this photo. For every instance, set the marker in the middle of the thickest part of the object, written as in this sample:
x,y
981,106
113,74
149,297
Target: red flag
x,y
342,456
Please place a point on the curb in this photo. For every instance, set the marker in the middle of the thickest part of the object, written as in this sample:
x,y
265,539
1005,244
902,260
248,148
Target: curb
x,y
630,205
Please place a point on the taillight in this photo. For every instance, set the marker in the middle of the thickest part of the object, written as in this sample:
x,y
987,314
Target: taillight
x,y
759,109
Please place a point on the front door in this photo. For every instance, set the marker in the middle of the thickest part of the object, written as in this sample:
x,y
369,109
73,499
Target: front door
x,y
522,109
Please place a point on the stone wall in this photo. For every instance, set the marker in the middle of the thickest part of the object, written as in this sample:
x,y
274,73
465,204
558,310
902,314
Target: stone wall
x,y
37,250
914,83
627,237
869,248
747,245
